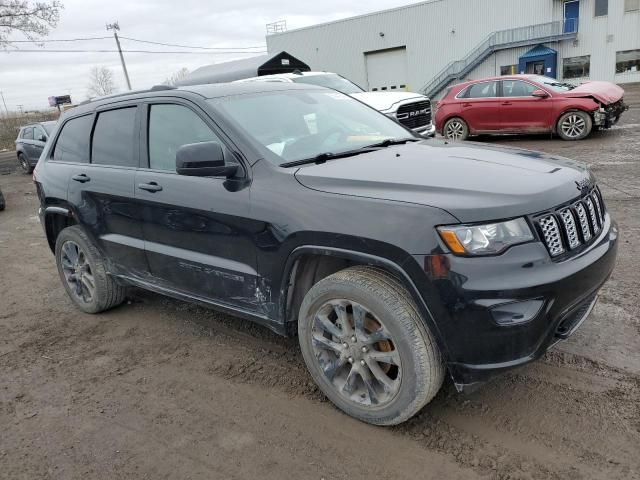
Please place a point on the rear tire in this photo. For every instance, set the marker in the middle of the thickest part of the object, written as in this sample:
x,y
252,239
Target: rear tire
x,y
575,125
382,365
455,129
24,163
83,274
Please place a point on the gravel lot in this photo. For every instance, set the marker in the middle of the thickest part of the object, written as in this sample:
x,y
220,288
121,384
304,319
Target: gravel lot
x,y
163,389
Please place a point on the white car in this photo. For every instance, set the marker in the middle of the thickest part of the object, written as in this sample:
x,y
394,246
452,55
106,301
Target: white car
x,y
410,109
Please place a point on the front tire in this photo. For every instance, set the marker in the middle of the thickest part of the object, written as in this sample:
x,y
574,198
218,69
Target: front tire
x,y
367,348
82,271
574,125
455,129
24,163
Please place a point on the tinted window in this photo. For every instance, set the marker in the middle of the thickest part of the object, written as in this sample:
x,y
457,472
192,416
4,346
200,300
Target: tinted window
x,y
170,127
516,88
482,90
73,141
114,138
27,133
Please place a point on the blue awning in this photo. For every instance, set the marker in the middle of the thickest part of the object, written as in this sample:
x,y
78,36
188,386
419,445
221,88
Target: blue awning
x,y
539,51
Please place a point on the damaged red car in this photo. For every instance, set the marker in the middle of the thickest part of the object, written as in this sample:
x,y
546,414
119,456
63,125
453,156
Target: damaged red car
x,y
528,104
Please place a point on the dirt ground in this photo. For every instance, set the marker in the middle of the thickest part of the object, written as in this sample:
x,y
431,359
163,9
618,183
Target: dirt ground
x,y
163,389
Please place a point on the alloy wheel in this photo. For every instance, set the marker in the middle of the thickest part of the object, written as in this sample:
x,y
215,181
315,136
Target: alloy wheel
x,y
23,163
77,272
356,353
454,130
573,126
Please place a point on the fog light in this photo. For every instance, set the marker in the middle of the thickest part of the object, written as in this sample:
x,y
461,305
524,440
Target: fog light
x,y
518,312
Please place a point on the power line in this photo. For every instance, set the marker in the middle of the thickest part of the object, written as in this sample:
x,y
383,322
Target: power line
x,y
86,39
60,40
133,51
190,46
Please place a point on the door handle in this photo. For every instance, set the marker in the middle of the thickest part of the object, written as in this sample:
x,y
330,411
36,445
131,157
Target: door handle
x,y
150,187
81,177
506,103
467,104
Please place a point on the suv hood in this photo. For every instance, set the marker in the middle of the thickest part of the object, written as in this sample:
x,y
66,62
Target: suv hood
x,y
473,182
383,101
604,92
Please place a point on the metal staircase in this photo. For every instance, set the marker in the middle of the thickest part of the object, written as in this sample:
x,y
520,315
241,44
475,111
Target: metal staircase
x,y
500,40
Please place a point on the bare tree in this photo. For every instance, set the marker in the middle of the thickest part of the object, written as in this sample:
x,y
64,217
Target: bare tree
x,y
176,77
101,82
33,19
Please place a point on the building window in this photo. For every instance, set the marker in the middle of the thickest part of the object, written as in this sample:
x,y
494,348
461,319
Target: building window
x,y
631,5
602,8
509,70
576,67
628,61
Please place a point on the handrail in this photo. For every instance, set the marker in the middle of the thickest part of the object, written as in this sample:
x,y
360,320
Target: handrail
x,y
500,37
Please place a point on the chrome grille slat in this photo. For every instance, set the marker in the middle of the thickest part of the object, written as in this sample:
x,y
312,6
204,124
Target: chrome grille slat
x,y
552,236
595,222
584,223
570,228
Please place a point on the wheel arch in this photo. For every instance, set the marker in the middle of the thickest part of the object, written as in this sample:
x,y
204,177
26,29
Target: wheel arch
x,y
573,108
56,219
296,282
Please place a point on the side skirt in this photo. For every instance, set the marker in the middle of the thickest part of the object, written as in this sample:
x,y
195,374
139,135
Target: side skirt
x,y
263,320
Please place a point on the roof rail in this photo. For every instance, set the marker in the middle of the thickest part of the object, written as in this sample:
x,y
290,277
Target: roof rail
x,y
155,88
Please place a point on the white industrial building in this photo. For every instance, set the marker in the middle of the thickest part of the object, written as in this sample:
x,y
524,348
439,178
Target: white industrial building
x,y
427,46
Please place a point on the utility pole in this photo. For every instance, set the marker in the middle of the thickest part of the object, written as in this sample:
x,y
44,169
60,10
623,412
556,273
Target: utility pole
x,y
115,27
5,104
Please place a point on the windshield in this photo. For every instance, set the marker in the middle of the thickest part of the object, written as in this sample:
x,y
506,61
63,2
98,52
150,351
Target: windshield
x,y
48,126
292,125
553,83
330,80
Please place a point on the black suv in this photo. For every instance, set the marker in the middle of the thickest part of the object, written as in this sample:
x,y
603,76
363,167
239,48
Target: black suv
x,y
395,259
30,143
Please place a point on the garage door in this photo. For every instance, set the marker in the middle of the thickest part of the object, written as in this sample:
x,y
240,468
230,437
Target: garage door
x,y
387,69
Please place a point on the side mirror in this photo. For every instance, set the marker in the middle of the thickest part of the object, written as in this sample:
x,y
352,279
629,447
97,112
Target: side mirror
x,y
205,159
42,138
539,93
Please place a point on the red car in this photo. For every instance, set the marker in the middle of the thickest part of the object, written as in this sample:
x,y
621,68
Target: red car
x,y
528,104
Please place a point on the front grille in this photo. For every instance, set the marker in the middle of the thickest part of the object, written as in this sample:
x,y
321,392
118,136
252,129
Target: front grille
x,y
570,227
415,115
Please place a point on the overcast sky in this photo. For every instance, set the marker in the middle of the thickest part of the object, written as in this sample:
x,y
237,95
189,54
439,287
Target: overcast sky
x,y
29,78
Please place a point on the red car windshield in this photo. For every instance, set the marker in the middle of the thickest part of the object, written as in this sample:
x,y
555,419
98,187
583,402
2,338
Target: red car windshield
x,y
552,83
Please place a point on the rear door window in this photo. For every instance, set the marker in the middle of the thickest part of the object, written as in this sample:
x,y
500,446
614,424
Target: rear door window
x,y
482,90
27,133
516,88
114,138
73,142
170,127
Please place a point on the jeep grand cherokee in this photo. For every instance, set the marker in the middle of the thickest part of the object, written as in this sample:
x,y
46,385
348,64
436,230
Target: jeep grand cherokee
x,y
395,259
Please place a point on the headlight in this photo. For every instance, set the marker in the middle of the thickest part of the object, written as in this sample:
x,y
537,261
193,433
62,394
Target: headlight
x,y
488,239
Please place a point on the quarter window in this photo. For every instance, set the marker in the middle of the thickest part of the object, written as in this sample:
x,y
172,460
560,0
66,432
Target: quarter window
x,y
38,134
170,127
602,8
516,88
27,133
73,142
482,90
576,67
114,138
628,61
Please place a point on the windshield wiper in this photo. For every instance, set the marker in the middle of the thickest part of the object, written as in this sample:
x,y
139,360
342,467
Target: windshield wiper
x,y
323,157
392,141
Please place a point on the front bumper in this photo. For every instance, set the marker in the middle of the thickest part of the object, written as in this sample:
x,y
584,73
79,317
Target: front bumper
x,y
427,131
608,116
551,299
